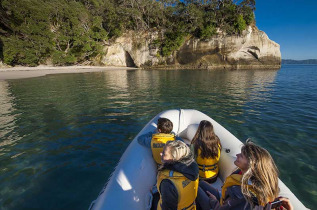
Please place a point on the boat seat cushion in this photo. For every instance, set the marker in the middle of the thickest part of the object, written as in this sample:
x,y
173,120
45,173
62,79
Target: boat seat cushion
x,y
189,132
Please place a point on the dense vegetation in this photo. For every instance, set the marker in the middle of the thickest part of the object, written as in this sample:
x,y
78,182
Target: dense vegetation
x,y
66,32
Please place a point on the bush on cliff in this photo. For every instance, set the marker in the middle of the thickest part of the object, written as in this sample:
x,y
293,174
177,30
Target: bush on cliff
x,y
240,24
172,41
208,31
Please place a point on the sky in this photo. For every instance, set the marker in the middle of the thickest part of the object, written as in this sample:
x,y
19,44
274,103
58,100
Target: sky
x,y
290,23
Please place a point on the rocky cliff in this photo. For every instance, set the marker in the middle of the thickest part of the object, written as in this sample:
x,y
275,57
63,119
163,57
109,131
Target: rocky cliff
x,y
250,50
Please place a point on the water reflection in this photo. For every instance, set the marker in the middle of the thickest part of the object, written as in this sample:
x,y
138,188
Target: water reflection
x,y
7,117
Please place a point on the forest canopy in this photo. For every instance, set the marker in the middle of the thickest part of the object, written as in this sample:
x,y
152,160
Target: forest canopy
x,y
67,32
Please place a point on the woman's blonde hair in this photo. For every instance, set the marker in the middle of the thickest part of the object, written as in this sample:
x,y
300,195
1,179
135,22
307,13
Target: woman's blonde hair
x,y
178,149
262,173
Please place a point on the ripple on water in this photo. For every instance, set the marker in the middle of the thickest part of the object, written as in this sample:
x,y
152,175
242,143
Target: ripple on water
x,y
63,134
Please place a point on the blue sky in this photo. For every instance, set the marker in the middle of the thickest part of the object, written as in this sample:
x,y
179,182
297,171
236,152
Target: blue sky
x,y
290,23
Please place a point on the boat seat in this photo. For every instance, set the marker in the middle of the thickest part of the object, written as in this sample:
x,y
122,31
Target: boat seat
x,y
188,134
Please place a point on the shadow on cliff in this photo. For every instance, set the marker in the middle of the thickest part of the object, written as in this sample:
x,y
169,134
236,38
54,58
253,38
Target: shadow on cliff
x,y
1,50
128,60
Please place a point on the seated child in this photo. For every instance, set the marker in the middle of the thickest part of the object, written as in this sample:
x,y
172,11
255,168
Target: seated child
x,y
207,147
156,141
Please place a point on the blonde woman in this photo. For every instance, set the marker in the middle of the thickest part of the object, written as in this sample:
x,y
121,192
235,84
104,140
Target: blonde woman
x,y
177,178
253,185
207,147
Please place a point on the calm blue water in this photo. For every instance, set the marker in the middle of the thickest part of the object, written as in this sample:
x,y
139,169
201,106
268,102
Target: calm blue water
x,y
62,135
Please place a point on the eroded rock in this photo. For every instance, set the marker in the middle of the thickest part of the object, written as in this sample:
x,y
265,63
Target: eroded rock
x,y
252,49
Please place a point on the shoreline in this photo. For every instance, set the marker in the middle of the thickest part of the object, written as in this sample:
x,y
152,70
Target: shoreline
x,y
38,71
22,72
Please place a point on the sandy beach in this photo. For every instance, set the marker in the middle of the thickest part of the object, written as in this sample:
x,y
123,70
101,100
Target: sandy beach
x,y
28,72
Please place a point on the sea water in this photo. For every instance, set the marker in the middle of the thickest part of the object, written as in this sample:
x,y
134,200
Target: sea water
x,y
62,135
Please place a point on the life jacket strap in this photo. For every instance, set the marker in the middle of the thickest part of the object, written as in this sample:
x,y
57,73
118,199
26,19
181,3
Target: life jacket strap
x,y
209,167
192,204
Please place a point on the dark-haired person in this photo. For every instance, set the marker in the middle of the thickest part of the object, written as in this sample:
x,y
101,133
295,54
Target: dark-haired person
x,y
157,140
207,147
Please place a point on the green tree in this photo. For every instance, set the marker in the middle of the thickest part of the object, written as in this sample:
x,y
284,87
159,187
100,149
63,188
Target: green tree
x,y
65,31
248,3
30,42
208,31
240,24
173,40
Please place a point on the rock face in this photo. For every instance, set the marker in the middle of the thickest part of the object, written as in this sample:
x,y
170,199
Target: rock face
x,y
132,50
251,50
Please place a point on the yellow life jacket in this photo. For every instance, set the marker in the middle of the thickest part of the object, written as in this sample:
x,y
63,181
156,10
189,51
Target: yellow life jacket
x,y
186,189
208,167
233,179
158,142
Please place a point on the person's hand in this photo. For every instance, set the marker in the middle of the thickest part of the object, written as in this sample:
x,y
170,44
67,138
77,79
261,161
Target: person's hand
x,y
286,204
211,195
